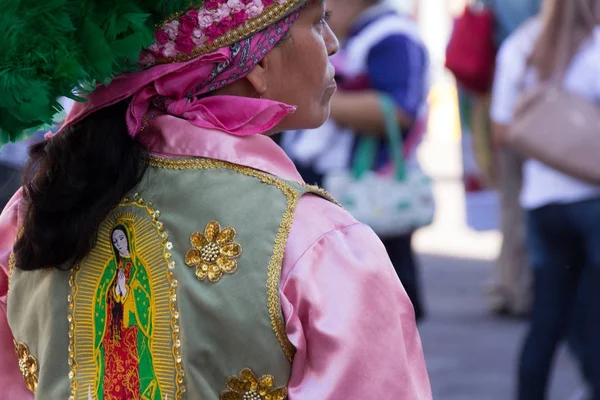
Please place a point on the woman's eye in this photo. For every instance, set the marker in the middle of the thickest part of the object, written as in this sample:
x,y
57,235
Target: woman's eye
x,y
326,16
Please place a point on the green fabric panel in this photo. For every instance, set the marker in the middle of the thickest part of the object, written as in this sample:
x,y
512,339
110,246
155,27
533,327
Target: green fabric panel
x,y
37,314
225,326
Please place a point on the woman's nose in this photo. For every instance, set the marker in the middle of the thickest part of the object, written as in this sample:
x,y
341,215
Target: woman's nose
x,y
331,41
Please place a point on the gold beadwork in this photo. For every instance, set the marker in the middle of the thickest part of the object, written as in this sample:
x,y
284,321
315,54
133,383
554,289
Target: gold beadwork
x,y
172,284
269,16
248,387
276,262
12,262
28,365
213,253
321,192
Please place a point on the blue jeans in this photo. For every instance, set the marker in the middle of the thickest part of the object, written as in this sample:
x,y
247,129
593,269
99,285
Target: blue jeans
x,y
564,246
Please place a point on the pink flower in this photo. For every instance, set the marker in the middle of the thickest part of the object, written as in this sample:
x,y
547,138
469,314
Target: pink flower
x,y
187,24
267,3
193,13
184,44
146,58
226,25
169,50
254,9
161,37
205,19
223,12
281,2
211,4
172,29
198,37
235,5
212,31
239,19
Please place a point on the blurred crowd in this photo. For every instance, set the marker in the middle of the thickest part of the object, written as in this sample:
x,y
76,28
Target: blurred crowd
x,y
544,115
536,64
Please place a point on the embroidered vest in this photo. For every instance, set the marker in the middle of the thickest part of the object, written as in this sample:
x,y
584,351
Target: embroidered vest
x,y
179,299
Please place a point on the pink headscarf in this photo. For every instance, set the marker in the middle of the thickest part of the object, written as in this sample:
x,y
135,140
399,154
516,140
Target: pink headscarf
x,y
175,89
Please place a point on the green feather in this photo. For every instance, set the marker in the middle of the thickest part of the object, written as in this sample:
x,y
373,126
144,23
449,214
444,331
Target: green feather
x,y
55,48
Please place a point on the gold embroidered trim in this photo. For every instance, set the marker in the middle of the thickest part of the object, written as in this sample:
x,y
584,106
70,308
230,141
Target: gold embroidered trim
x,y
276,262
321,192
248,387
269,16
28,365
12,262
154,214
213,252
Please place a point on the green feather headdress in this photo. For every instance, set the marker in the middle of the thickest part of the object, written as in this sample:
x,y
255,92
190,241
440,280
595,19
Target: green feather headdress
x,y
55,48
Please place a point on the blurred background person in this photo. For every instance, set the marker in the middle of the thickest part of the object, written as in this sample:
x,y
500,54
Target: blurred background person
x,y
562,212
510,291
492,181
12,160
510,14
381,51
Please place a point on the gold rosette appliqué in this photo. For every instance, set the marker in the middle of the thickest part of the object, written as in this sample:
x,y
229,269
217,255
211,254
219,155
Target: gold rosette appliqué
x,y
248,387
213,253
28,365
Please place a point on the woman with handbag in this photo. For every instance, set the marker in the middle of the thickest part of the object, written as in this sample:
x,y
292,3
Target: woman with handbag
x,y
554,61
382,62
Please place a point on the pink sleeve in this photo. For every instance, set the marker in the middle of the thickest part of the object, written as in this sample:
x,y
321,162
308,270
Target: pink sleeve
x,y
351,321
11,380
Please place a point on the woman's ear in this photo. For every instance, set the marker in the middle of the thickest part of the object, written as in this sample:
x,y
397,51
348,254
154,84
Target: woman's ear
x,y
258,76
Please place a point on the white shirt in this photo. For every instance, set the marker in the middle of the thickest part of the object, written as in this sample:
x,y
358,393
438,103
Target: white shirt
x,y
543,185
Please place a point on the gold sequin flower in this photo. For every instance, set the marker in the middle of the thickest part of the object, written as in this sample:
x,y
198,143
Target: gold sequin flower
x,y
28,365
213,253
248,387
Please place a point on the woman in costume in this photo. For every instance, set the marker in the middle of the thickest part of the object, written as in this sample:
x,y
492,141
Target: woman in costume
x,y
244,282
381,53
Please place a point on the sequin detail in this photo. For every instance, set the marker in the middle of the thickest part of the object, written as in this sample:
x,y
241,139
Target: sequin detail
x,y
12,262
28,365
214,252
247,386
283,233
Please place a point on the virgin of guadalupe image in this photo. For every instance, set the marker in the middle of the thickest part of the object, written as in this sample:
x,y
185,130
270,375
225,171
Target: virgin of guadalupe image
x,y
123,324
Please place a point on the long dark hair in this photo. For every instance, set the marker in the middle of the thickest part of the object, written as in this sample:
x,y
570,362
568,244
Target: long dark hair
x,y
71,182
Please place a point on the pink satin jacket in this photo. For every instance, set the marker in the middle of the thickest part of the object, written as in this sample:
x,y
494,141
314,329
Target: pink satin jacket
x,y
346,312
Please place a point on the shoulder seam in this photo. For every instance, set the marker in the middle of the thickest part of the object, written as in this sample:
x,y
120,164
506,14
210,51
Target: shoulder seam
x,y
313,244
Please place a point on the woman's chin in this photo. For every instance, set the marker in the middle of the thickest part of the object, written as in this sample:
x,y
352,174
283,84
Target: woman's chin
x,y
296,121
321,118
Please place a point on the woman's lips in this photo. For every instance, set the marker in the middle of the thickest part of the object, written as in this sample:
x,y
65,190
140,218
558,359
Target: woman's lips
x,y
332,84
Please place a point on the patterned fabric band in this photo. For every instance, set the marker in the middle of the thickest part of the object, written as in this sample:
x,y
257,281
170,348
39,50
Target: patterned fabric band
x,y
176,89
216,24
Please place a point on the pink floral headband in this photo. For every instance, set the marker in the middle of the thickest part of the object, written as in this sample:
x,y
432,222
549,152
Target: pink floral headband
x,y
218,23
176,89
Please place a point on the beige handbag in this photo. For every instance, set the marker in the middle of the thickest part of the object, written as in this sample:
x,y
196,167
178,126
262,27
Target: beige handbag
x,y
560,129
